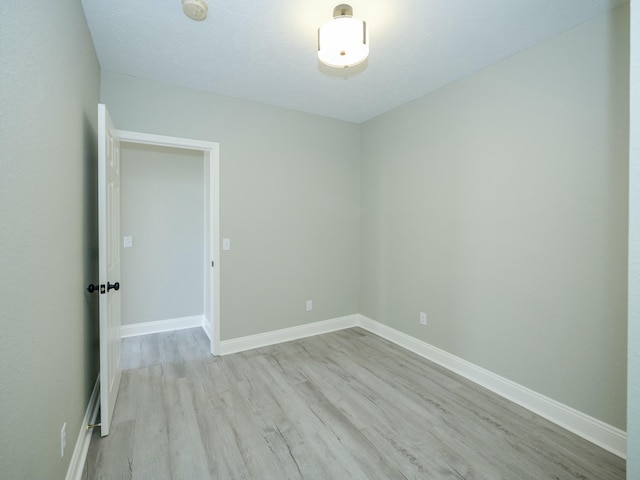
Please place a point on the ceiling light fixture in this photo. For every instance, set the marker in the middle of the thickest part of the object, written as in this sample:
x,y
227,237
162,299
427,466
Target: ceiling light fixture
x,y
344,41
195,9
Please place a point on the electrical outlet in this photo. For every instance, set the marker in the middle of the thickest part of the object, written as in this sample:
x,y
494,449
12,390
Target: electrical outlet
x,y
63,439
309,305
423,318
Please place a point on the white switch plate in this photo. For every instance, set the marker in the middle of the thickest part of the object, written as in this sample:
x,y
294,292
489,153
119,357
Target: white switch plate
x,y
128,242
423,318
226,244
309,305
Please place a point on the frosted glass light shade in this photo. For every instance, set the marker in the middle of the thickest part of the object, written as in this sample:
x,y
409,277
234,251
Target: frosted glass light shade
x,y
343,42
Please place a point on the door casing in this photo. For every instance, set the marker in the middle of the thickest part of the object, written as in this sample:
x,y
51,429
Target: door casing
x,y
211,280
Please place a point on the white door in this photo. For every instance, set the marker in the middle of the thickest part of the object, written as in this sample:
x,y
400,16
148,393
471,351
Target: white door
x,y
109,268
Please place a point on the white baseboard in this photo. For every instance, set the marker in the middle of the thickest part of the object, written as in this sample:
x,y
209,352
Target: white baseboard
x,y
160,326
206,326
610,438
606,436
287,334
76,465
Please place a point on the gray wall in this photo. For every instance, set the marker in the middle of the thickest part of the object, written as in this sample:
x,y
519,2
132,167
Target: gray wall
x,y
162,208
633,402
498,205
49,89
289,200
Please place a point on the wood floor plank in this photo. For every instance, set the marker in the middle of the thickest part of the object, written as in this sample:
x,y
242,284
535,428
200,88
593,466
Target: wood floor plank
x,y
345,405
150,452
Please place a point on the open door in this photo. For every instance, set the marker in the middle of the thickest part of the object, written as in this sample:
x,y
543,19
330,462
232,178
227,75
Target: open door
x,y
109,265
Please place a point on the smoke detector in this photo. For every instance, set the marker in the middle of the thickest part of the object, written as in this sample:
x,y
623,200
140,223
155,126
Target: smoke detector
x,y
195,9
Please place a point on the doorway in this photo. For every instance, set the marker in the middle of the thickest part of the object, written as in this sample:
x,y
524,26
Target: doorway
x,y
200,162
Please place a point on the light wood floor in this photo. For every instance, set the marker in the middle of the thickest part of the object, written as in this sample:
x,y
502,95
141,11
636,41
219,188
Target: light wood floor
x,y
345,405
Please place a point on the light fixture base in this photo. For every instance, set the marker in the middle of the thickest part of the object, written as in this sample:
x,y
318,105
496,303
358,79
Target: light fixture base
x,y
342,10
195,9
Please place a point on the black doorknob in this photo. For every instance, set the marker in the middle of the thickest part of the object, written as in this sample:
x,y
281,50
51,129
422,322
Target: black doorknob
x,y
115,286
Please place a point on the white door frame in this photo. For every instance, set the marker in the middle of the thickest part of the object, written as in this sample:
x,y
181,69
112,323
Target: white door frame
x,y
211,282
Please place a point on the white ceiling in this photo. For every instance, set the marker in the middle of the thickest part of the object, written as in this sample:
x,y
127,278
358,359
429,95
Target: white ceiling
x,y
265,50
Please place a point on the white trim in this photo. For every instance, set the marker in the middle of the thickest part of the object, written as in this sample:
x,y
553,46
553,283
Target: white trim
x,y
287,334
165,141
159,326
206,327
212,310
211,286
610,438
79,457
591,429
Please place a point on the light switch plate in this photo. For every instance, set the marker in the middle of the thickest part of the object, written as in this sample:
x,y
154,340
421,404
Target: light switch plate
x,y
128,242
226,244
